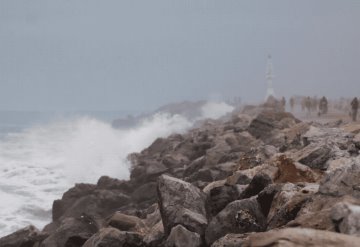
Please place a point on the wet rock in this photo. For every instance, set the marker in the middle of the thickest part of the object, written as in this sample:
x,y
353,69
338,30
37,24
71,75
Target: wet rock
x,y
109,183
99,204
71,232
343,181
346,218
27,236
70,197
112,237
300,237
181,203
181,237
237,217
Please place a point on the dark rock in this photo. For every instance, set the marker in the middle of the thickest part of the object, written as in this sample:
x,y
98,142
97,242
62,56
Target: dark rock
x,y
221,196
237,217
266,197
71,232
145,192
109,183
111,237
181,203
26,237
257,184
70,197
181,237
99,204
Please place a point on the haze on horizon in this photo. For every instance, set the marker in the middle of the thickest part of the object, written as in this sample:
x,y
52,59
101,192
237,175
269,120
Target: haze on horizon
x,y
138,55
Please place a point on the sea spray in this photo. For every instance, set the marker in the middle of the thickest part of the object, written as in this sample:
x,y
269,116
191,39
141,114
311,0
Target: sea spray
x,y
38,164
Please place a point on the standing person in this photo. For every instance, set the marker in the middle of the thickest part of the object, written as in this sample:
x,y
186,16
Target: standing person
x,y
323,106
283,103
354,108
292,103
308,105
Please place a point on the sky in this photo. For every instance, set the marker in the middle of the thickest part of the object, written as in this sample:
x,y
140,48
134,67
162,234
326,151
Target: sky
x,y
138,55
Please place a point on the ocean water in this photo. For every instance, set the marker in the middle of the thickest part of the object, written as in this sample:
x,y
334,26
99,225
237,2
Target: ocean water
x,y
44,154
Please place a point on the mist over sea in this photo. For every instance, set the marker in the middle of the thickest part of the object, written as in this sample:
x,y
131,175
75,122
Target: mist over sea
x,y
43,154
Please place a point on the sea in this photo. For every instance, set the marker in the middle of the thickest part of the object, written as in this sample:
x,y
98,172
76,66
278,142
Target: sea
x,y
43,154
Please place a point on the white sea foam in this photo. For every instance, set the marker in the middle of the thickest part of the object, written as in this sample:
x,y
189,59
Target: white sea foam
x,y
40,163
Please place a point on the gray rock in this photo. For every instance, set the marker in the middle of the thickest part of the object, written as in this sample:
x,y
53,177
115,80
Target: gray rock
x,y
346,217
181,237
315,156
181,203
155,236
342,181
237,217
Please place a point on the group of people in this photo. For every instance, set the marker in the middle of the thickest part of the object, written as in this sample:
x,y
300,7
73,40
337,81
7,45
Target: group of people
x,y
313,104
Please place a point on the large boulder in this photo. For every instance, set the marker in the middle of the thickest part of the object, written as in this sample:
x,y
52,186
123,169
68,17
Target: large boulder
x,y
287,203
125,222
346,217
300,237
182,237
237,217
264,126
100,203
70,197
221,196
27,236
112,237
342,181
155,236
314,156
181,203
316,213
71,232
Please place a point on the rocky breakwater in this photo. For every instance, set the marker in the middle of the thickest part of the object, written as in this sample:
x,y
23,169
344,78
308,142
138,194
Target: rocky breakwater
x,y
254,180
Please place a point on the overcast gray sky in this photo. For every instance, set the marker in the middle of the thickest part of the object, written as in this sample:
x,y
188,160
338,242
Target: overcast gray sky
x,y
137,55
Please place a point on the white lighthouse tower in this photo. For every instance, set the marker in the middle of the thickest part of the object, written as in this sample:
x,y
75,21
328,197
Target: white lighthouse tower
x,y
269,78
